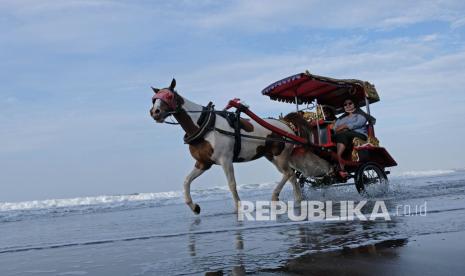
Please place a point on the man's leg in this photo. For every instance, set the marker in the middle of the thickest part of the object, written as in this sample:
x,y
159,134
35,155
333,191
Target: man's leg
x,y
340,150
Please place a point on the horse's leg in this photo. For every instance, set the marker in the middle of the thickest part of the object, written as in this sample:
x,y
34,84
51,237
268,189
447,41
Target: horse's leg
x,y
288,175
279,187
229,172
187,189
297,189
281,162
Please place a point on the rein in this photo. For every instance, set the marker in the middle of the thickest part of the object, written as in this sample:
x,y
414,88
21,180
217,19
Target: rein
x,y
283,140
169,113
225,132
187,111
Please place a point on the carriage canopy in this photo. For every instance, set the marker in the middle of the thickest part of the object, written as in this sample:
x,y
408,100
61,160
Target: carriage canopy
x,y
306,88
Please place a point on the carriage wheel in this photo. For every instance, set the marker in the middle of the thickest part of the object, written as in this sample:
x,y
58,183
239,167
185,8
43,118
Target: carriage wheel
x,y
370,179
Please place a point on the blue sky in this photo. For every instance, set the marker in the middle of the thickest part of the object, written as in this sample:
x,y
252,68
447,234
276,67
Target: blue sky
x,y
75,83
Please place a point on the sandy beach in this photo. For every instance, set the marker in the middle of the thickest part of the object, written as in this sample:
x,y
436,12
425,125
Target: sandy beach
x,y
432,254
158,235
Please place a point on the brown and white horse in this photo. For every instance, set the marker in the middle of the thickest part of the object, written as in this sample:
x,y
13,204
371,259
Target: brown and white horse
x,y
216,148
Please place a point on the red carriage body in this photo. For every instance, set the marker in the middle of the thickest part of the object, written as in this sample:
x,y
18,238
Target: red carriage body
x,y
306,88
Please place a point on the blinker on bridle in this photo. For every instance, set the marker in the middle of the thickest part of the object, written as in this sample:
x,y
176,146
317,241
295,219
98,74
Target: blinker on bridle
x,y
167,96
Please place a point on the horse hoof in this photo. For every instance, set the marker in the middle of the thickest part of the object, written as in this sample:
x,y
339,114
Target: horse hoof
x,y
197,209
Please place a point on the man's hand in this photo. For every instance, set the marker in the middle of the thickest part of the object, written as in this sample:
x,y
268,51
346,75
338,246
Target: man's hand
x,y
342,128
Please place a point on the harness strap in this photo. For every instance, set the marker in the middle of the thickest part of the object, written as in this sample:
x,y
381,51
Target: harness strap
x,y
237,136
204,113
206,123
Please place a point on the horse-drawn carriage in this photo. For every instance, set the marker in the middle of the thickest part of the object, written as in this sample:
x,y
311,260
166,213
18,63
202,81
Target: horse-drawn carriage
x,y
303,153
365,161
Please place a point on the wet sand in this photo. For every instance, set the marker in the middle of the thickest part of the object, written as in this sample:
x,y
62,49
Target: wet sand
x,y
433,254
162,237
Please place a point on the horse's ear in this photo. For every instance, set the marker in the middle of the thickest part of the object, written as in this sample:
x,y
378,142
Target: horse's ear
x,y
173,84
155,90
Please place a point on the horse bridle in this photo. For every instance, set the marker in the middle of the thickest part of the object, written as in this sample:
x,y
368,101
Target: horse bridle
x,y
167,96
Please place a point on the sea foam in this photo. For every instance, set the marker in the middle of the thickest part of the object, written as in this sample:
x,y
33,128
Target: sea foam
x,y
13,211
423,173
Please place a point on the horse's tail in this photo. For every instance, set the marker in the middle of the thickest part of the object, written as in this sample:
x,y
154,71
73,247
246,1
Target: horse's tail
x,y
299,125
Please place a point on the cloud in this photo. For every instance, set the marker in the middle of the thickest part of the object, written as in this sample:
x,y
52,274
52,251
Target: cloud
x,y
94,26
79,27
458,23
407,62
282,15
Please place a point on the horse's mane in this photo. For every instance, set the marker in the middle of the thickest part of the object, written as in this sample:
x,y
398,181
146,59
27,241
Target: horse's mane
x,y
300,124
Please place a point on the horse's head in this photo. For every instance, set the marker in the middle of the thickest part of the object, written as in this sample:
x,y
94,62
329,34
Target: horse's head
x,y
165,102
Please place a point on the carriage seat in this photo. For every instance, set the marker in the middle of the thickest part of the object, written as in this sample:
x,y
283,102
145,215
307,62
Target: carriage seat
x,y
357,143
325,139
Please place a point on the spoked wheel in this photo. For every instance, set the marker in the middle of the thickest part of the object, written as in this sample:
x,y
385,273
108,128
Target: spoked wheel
x,y
371,180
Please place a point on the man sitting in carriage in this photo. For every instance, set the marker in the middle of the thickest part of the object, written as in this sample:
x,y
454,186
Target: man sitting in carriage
x,y
345,132
349,126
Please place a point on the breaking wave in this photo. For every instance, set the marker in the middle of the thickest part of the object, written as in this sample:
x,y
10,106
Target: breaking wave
x,y
424,173
13,211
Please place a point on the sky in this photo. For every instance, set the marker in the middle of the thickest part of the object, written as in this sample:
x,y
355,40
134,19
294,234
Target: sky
x,y
75,81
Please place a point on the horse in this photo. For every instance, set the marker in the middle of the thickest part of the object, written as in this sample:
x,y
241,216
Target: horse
x,y
215,147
